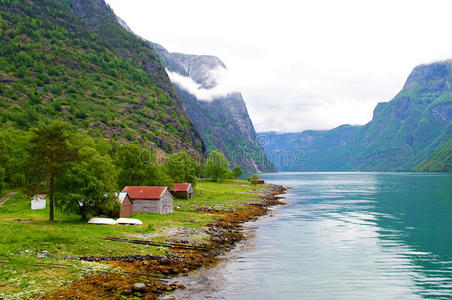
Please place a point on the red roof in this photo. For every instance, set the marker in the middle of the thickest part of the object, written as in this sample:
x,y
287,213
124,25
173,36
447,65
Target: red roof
x,y
180,187
144,192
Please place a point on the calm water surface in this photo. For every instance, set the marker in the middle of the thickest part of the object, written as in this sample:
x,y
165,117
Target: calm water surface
x,y
344,236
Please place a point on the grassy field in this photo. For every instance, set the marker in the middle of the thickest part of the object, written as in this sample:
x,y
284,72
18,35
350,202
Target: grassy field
x,y
27,245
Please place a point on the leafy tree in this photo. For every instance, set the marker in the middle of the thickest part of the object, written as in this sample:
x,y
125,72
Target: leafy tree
x,y
14,155
253,177
2,178
229,174
88,185
237,172
182,167
137,167
51,151
216,166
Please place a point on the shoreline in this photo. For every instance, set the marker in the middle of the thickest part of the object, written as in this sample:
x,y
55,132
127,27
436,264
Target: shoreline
x,y
152,276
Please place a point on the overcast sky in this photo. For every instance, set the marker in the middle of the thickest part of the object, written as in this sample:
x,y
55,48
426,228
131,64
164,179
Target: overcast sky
x,y
303,64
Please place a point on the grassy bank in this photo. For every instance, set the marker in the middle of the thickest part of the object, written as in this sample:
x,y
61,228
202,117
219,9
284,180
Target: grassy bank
x,y
32,250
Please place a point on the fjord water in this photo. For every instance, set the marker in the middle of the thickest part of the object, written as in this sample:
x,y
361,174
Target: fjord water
x,y
348,236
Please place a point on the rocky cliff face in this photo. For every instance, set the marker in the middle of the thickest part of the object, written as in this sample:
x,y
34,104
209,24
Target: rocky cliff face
x,y
222,119
402,133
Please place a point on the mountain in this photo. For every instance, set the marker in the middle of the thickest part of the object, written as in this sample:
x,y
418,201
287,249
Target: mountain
x,y
72,60
222,117
402,133
439,161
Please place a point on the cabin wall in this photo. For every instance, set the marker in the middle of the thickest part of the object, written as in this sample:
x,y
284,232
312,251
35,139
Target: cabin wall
x,y
190,192
180,195
146,205
127,207
166,203
162,206
184,194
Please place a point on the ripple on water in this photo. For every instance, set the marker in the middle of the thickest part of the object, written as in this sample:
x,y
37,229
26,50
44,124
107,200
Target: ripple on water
x,y
344,236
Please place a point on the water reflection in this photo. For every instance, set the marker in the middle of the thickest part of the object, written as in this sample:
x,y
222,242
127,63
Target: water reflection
x,y
345,236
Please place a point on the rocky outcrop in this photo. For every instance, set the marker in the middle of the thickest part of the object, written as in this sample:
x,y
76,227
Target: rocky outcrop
x,y
431,77
402,133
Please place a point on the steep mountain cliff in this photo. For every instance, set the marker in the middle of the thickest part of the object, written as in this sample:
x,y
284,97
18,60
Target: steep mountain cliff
x,y
73,61
402,133
221,118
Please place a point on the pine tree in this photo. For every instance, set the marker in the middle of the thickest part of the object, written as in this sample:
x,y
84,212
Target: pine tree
x,y
50,152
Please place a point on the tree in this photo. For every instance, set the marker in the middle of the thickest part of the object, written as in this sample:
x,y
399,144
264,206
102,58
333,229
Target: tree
x,y
182,167
237,171
50,152
2,178
89,185
253,177
216,166
14,156
138,167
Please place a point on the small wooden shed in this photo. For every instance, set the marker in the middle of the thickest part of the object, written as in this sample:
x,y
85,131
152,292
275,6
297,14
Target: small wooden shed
x,y
126,205
182,190
150,199
258,182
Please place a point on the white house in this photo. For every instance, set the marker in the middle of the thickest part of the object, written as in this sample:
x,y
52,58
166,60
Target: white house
x,y
38,201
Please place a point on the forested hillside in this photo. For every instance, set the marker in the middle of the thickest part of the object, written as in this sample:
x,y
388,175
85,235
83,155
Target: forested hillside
x,y
439,161
71,60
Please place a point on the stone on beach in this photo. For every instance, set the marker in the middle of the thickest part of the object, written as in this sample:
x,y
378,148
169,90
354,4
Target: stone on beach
x,y
139,287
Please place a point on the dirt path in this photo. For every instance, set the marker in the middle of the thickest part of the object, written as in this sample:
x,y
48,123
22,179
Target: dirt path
x,y
6,197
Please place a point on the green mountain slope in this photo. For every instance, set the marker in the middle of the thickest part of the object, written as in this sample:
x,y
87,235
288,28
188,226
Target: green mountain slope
x,y
439,161
402,133
71,60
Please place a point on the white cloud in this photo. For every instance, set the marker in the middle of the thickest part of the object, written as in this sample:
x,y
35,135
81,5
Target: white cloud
x,y
331,61
224,84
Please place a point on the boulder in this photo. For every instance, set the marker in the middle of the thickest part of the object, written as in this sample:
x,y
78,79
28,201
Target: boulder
x,y
139,287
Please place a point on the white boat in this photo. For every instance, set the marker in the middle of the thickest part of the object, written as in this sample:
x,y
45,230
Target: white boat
x,y
102,221
128,221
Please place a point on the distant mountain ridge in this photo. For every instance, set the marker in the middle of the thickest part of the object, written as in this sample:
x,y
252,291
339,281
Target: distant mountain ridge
x,y
402,133
223,121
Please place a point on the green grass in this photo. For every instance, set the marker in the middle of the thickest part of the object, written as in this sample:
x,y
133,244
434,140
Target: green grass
x,y
69,235
222,196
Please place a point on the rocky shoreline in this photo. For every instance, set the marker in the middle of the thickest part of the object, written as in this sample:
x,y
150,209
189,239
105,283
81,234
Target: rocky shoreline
x,y
147,276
